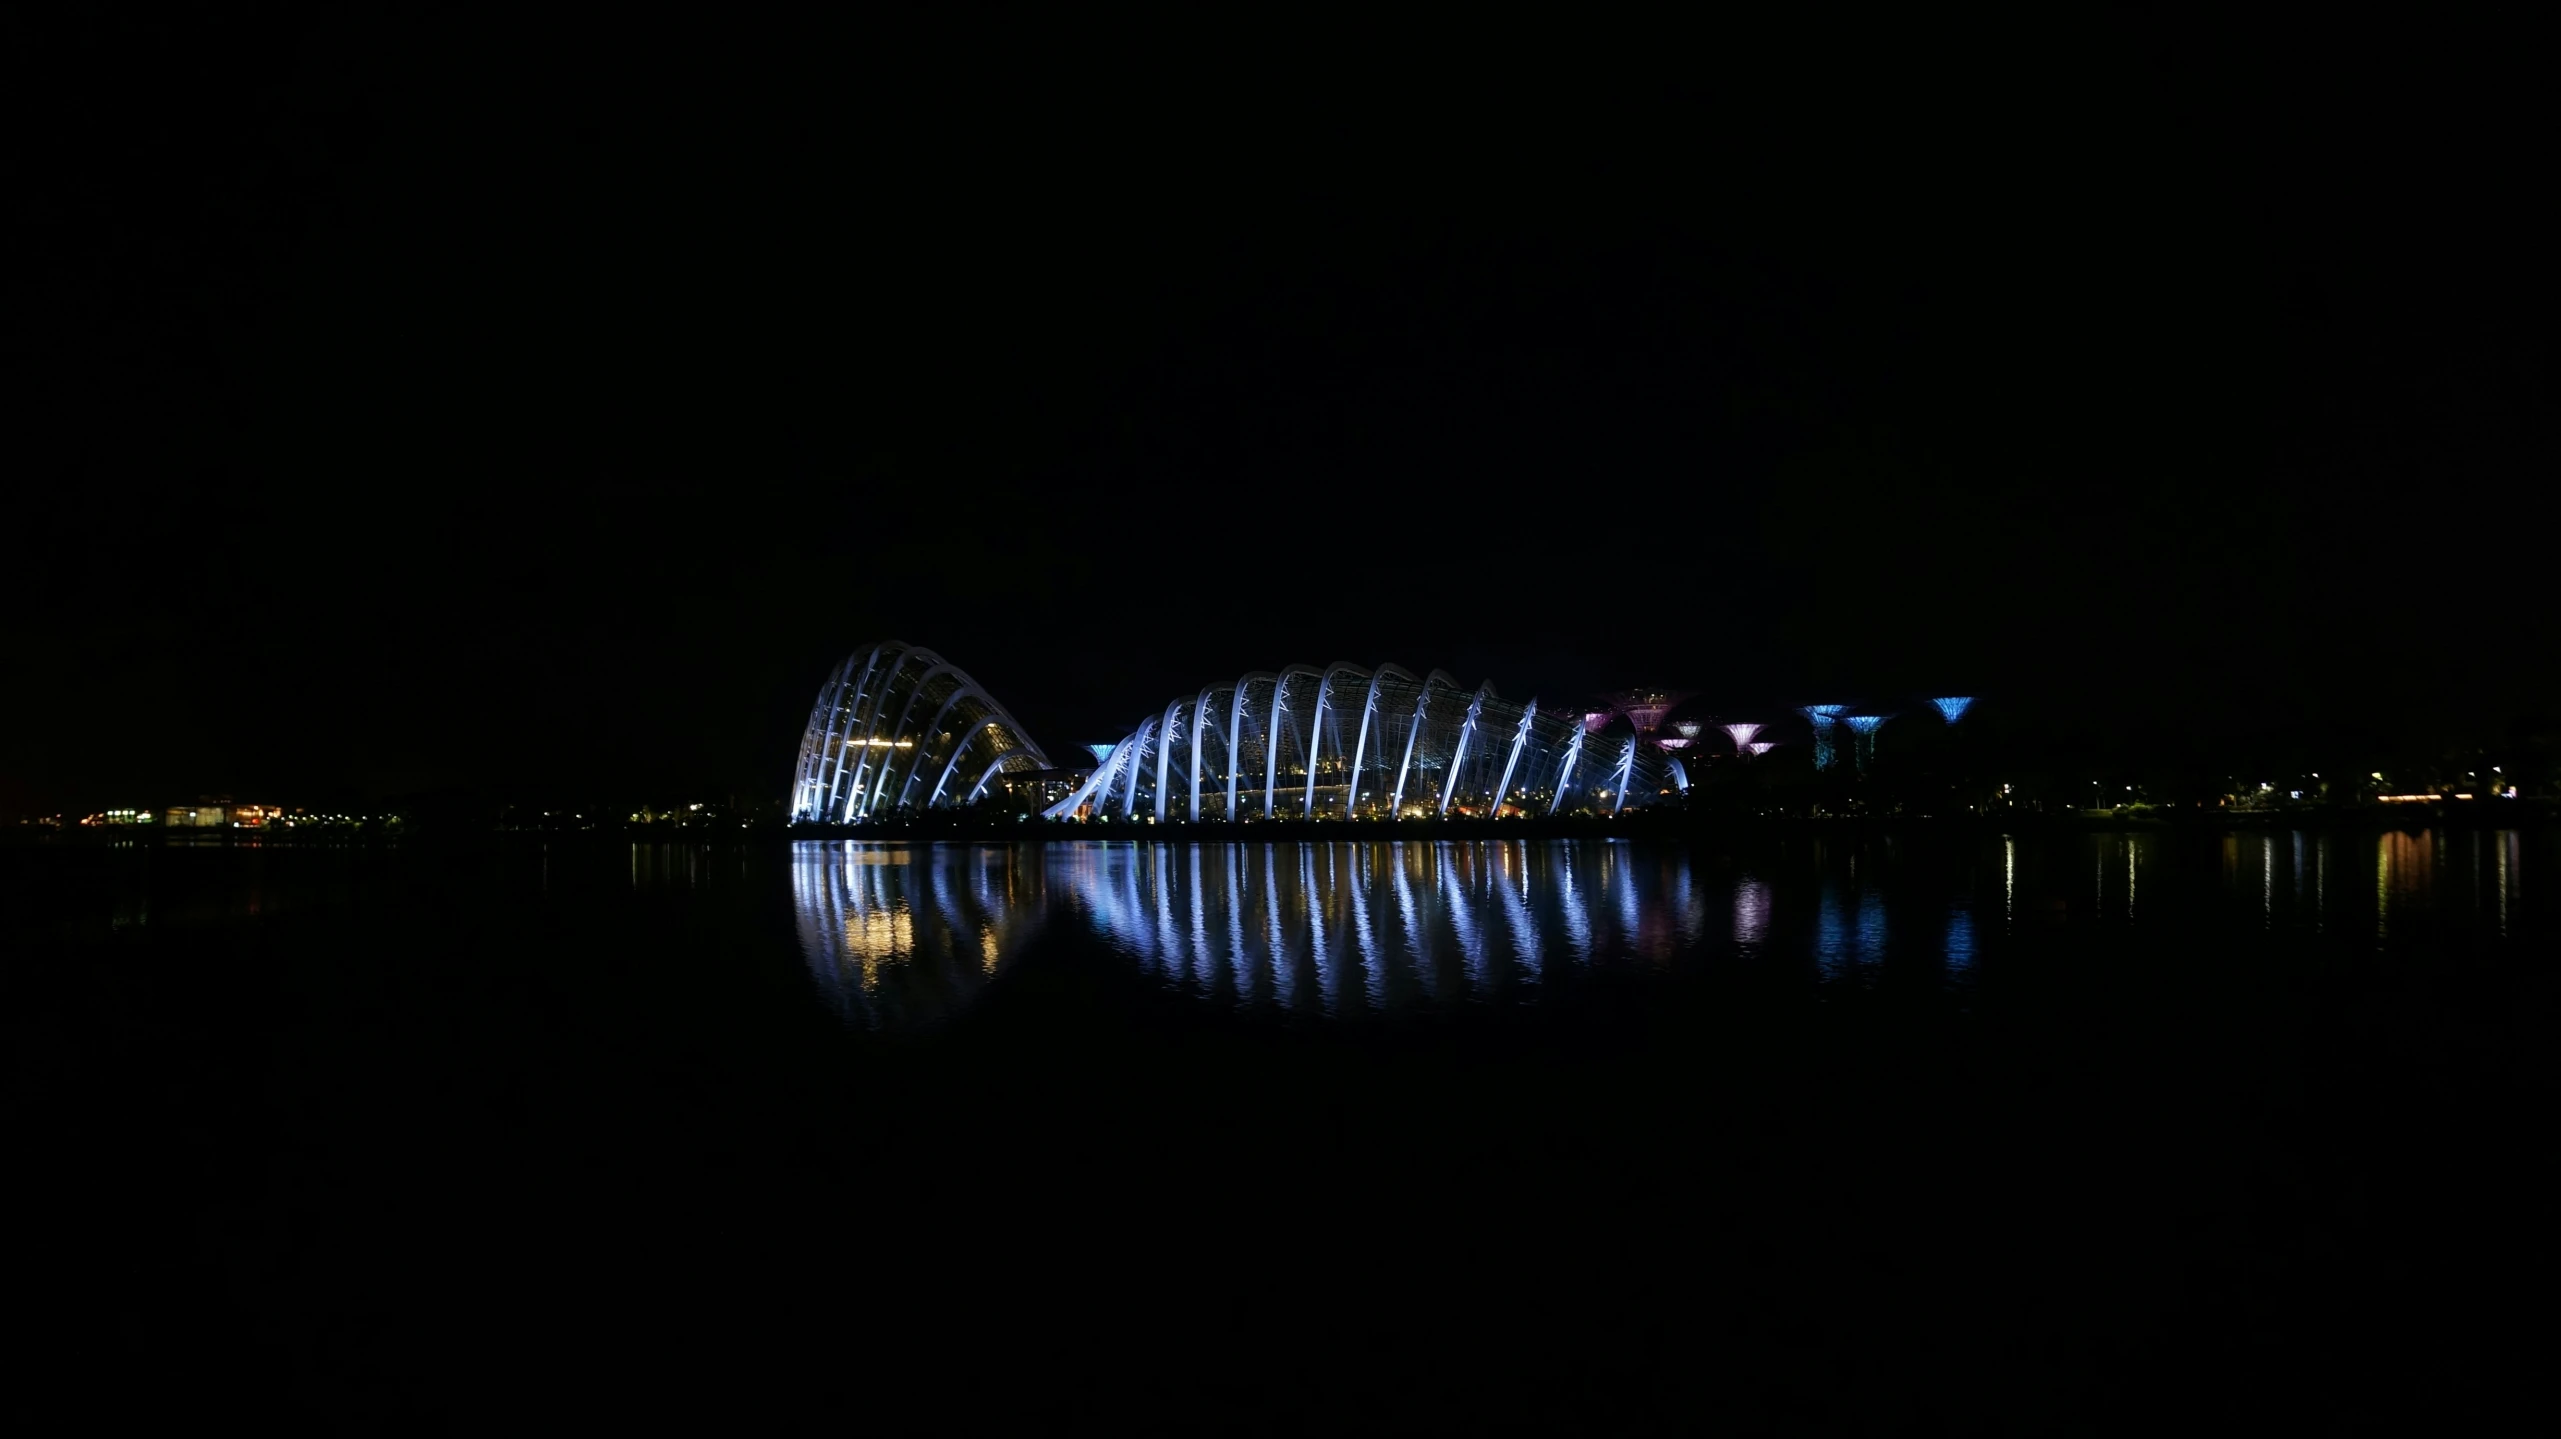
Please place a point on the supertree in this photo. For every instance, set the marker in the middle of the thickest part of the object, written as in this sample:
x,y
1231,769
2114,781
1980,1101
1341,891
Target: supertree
x,y
1822,718
1865,727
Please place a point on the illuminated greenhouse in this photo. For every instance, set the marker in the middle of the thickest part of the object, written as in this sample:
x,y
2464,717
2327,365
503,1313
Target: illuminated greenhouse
x,y
897,728
1348,742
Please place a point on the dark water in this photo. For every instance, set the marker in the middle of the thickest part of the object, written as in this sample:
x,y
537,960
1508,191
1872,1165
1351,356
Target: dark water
x,y
1902,1134
901,935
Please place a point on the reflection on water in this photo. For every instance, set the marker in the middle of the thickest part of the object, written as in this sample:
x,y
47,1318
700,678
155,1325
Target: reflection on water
x,y
902,934
1350,927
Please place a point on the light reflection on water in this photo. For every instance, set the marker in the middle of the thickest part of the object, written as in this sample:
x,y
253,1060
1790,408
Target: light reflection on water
x,y
902,934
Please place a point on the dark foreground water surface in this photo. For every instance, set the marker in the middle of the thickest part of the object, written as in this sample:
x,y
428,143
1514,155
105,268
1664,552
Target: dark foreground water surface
x,y
1910,1133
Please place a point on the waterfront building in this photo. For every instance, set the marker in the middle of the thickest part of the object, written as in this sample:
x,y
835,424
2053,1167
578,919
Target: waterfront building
x,y
1347,741
898,729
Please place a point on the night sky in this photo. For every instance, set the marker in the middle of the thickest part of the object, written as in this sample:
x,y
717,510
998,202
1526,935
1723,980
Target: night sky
x,y
548,412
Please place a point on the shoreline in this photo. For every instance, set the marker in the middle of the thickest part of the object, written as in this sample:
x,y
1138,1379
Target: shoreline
x,y
1652,827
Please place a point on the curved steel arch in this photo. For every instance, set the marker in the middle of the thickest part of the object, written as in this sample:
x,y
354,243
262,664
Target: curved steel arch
x,y
1165,750
1271,732
1316,731
1360,745
804,778
1200,722
1137,762
879,701
935,726
1466,732
840,732
1003,721
915,692
1422,703
1235,732
1439,741
870,701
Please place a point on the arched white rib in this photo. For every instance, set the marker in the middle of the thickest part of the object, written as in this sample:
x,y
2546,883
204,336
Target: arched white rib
x,y
1235,730
1200,721
1271,734
1360,742
824,772
916,767
993,766
880,702
1316,729
803,781
1097,782
1466,731
1165,753
841,799
1138,751
1422,702
1565,772
915,692
840,729
1520,737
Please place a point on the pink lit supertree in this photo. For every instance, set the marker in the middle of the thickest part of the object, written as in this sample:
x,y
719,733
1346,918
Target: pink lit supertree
x,y
1646,708
1742,734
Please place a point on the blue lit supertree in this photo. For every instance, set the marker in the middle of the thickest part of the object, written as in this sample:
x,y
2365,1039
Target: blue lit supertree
x,y
1953,707
1822,718
1865,727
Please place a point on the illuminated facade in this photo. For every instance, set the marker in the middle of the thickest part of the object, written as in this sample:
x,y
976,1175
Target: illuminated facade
x,y
1350,742
898,730
120,816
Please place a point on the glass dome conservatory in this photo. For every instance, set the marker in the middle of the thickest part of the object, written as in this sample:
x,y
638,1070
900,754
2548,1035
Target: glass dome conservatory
x,y
1347,742
897,728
